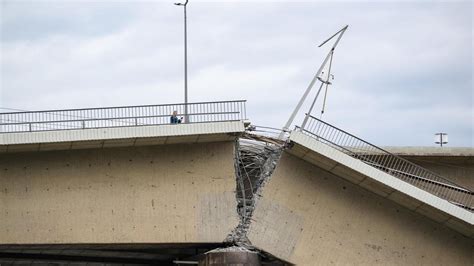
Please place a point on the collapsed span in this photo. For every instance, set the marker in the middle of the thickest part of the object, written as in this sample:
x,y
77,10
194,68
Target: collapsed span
x,y
255,159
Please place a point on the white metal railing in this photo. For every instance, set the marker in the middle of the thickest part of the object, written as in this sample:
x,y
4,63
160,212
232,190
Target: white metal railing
x,y
124,116
388,162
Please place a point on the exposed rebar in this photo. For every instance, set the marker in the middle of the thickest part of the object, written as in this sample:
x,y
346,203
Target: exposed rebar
x,y
255,159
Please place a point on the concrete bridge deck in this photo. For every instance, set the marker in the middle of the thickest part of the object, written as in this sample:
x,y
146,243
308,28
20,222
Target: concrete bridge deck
x,y
120,136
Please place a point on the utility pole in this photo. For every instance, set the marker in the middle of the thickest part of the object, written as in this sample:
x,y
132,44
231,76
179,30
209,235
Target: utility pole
x,y
186,118
313,81
441,138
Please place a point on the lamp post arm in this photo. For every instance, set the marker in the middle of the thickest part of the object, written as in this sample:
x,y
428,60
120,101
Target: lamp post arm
x,y
315,78
303,98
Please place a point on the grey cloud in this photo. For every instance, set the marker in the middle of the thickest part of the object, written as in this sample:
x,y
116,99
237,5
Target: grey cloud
x,y
396,64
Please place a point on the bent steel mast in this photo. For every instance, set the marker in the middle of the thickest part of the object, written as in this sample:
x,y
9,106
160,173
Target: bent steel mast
x,y
316,77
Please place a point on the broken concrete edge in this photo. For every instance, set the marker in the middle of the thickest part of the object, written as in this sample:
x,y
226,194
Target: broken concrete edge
x,y
268,168
238,236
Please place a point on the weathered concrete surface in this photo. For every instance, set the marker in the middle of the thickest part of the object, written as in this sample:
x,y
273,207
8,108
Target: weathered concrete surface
x,y
151,194
309,216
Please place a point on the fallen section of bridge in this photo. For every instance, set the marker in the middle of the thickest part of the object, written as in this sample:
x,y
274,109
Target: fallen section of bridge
x,y
334,198
386,174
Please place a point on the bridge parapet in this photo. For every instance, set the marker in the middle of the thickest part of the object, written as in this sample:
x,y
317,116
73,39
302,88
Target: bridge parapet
x,y
123,116
120,126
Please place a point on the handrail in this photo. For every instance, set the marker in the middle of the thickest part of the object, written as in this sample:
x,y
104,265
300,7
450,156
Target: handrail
x,y
118,107
112,119
86,118
387,162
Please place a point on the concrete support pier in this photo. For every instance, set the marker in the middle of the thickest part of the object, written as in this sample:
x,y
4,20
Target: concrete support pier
x,y
230,256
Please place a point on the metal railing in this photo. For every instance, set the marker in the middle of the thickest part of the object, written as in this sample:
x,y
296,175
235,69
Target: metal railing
x,y
388,162
124,116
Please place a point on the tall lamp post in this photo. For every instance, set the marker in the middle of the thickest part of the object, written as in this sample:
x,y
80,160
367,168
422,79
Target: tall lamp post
x,y
186,119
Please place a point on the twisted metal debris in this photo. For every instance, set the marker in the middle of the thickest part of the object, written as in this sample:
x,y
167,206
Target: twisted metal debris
x,y
256,157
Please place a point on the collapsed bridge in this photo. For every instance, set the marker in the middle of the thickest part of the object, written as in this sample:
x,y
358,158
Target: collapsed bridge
x,y
123,185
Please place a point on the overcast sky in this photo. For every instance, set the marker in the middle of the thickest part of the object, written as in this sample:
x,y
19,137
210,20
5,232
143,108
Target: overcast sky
x,y
403,70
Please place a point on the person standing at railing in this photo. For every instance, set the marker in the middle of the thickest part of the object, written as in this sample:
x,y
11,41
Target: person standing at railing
x,y
174,119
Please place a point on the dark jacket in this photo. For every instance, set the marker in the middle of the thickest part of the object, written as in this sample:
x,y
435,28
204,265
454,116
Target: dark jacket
x,y
175,120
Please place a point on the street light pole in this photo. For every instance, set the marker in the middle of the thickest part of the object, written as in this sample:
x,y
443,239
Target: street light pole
x,y
186,118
